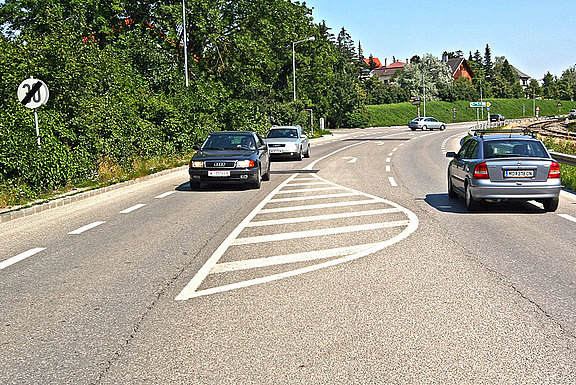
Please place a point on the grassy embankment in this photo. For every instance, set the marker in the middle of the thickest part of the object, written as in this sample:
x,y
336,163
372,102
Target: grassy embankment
x,y
400,114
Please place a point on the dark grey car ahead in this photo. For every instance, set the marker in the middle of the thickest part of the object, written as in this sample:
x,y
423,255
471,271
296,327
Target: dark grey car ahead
x,y
230,156
501,167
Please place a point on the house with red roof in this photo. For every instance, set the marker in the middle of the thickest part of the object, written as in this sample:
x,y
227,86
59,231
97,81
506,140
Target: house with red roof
x,y
385,73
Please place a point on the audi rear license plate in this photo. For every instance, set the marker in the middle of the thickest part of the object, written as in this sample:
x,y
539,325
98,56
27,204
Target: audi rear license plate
x,y
273,151
218,173
519,174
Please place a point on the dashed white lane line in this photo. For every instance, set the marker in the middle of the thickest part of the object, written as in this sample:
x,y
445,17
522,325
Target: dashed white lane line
x,y
388,160
319,232
568,217
86,228
164,195
392,181
130,209
20,257
388,168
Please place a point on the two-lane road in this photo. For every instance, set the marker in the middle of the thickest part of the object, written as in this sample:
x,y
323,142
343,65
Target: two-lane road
x,y
350,267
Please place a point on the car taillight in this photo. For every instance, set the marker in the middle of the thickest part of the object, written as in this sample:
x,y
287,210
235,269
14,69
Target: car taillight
x,y
554,170
481,171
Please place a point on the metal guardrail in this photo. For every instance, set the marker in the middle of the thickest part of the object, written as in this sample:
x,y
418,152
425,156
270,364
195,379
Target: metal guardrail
x,y
564,158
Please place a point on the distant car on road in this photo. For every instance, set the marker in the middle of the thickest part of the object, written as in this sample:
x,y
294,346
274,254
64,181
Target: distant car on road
x,y
426,123
230,156
288,141
572,113
502,167
496,118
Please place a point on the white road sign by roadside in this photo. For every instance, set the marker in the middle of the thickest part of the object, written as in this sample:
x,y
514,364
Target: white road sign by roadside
x,y
477,104
33,93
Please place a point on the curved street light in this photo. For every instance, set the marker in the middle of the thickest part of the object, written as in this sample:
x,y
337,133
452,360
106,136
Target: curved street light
x,y
311,38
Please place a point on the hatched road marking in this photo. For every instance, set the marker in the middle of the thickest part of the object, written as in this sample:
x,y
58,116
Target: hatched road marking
x,y
388,223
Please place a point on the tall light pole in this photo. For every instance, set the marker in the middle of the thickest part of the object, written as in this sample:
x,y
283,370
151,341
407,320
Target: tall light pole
x,y
424,87
185,41
311,38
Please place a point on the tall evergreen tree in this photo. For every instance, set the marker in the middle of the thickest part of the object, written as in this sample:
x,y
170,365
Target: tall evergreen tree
x,y
488,65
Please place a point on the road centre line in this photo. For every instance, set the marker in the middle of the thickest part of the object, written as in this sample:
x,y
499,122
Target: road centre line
x,y
391,154
20,257
392,181
310,190
319,232
388,160
324,217
288,258
311,197
320,206
568,217
86,228
130,209
388,168
165,194
395,149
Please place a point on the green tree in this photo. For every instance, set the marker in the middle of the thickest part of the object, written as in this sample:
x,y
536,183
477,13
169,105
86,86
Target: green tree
x,y
549,86
430,71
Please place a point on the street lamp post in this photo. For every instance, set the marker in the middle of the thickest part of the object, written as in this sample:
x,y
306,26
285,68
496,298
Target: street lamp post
x,y
311,38
424,87
185,41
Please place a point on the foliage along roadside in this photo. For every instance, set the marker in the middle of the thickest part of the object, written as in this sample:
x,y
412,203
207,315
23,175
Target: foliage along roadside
x,y
116,81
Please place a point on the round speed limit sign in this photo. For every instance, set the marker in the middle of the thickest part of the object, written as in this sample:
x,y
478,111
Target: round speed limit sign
x,y
33,93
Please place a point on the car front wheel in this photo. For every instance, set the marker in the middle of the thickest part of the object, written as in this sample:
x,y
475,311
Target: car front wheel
x,y
257,182
442,127
424,128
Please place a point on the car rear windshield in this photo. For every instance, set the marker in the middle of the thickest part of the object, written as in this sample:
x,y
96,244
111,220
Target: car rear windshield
x,y
515,148
283,133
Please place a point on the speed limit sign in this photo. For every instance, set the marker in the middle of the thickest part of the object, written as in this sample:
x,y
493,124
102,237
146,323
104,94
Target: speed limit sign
x,y
33,93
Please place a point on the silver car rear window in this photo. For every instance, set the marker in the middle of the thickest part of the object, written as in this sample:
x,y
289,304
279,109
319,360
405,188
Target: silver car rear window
x,y
514,148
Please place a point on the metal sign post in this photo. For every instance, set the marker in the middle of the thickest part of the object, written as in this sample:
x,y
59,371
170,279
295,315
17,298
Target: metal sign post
x,y
33,93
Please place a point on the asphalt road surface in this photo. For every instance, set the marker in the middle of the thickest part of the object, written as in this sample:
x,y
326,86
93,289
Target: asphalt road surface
x,y
351,267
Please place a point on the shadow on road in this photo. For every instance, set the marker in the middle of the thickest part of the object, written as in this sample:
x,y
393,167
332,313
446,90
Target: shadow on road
x,y
221,187
443,203
376,139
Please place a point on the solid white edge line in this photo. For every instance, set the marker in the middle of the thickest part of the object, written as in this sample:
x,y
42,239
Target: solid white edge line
x,y
190,289
130,209
568,217
20,257
86,228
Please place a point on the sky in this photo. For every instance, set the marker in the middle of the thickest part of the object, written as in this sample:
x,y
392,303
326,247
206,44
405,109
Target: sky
x,y
535,36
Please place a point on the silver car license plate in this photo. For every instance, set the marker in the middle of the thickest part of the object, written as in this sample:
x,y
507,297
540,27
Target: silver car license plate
x,y
218,173
519,174
274,151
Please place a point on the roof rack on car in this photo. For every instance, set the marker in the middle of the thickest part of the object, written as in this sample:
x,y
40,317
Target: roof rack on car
x,y
511,131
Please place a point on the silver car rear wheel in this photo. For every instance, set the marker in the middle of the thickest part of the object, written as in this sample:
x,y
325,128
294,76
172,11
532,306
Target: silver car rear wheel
x,y
471,203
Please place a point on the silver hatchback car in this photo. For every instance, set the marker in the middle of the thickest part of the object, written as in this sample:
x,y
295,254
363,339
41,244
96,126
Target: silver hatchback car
x,y
426,123
499,167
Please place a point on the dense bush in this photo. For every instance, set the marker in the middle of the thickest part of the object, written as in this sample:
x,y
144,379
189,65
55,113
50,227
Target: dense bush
x,y
117,93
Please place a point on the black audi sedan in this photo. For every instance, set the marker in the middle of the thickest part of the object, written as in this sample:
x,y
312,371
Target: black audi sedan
x,y
230,156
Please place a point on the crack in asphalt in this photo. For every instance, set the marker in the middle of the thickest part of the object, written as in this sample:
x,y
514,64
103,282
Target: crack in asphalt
x,y
161,293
